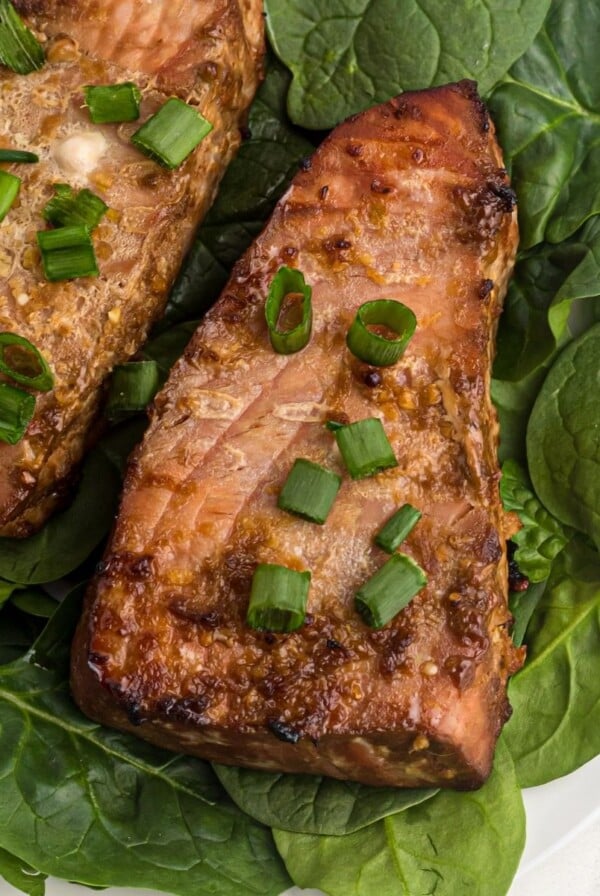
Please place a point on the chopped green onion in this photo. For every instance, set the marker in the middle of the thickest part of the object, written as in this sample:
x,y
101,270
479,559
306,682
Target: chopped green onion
x,y
333,425
397,528
278,598
22,362
390,590
375,348
365,448
171,134
19,49
67,252
288,311
16,410
10,185
113,103
18,156
132,388
68,208
309,491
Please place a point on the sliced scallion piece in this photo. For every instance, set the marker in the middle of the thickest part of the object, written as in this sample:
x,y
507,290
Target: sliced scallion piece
x,y
16,410
23,362
10,185
68,208
67,253
309,491
397,528
18,156
171,134
390,590
365,448
19,49
278,598
396,324
288,311
111,103
132,388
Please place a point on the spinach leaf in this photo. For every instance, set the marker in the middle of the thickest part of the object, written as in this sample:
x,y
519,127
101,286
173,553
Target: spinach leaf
x,y
6,591
17,633
347,54
522,605
70,536
548,115
67,539
454,843
21,875
541,537
52,648
34,601
100,808
169,345
313,805
250,188
513,402
563,437
555,726
554,295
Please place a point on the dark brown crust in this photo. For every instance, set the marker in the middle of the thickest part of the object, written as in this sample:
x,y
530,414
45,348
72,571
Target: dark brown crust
x,y
85,328
163,649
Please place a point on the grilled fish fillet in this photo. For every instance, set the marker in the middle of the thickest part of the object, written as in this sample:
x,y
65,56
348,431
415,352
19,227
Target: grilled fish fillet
x,y
209,54
406,201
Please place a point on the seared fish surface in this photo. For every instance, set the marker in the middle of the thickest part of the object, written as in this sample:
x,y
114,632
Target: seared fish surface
x,y
409,201
208,54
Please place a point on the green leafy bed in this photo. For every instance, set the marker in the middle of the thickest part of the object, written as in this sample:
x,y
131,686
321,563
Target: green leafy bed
x,y
87,804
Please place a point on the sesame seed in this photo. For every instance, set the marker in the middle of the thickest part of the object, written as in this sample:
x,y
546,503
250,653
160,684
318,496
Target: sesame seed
x,y
429,668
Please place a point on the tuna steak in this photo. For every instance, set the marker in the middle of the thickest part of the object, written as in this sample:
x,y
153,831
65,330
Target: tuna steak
x,y
407,201
207,53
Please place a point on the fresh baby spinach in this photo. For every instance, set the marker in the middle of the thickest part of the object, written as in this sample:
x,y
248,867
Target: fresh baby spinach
x,y
311,804
82,802
548,116
523,605
455,843
555,726
21,875
541,537
346,55
563,437
553,296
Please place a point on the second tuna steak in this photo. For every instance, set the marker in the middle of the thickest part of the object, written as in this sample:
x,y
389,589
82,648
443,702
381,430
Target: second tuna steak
x,y
208,54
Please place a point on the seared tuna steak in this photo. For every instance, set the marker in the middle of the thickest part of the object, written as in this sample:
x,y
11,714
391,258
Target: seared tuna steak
x,y
407,201
206,53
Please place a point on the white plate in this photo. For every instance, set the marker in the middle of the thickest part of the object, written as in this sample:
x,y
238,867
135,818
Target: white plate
x,y
556,812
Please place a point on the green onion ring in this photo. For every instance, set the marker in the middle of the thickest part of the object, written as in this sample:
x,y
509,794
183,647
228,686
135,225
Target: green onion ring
x,y
288,281
372,348
43,380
